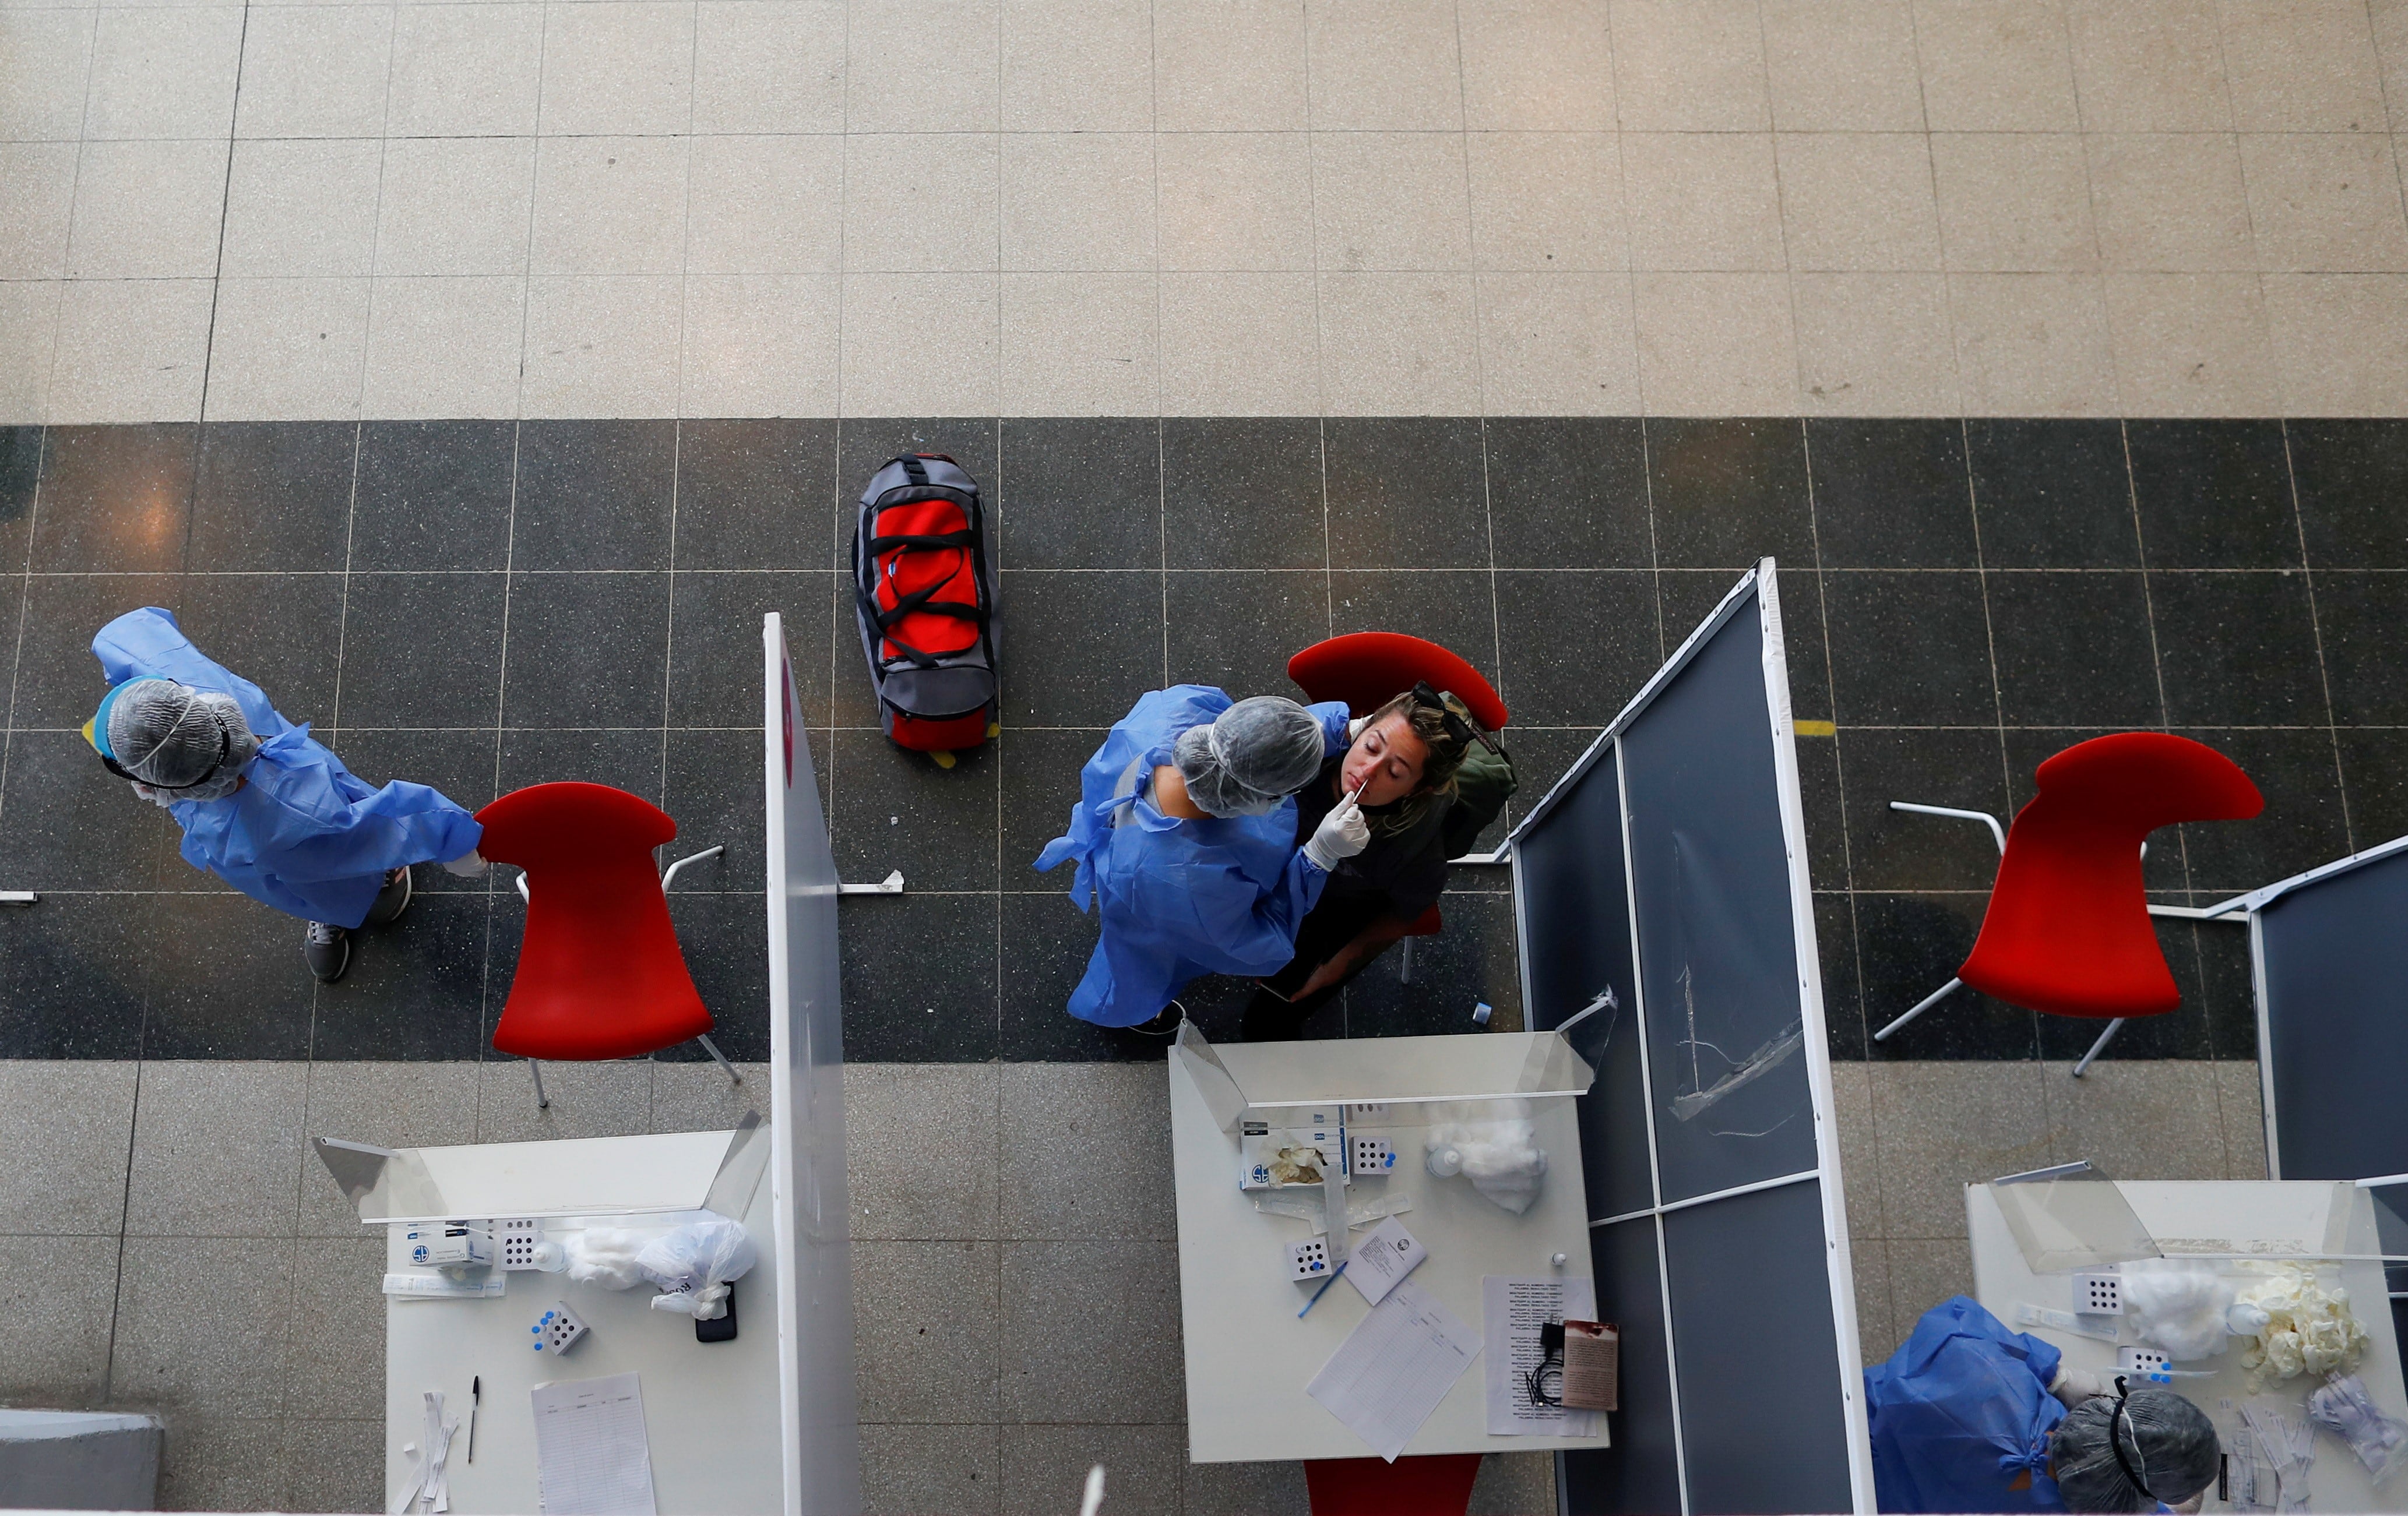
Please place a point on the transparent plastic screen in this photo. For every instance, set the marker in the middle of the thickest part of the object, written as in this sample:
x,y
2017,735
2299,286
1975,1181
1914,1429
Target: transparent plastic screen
x,y
2070,1216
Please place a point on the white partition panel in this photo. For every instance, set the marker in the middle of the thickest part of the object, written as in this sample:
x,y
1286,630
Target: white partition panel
x,y
821,1453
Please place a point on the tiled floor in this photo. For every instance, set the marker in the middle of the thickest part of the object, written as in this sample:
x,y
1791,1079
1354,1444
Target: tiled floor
x,y
710,207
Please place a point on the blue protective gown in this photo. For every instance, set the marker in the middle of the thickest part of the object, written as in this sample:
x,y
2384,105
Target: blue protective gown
x,y
302,834
1961,1414
1178,898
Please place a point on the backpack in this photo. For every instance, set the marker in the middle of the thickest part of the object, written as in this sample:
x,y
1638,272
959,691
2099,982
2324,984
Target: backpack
x,y
926,604
1484,782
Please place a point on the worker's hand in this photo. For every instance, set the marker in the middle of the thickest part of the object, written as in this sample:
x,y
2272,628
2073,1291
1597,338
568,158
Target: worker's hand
x,y
1355,728
1342,834
467,865
160,798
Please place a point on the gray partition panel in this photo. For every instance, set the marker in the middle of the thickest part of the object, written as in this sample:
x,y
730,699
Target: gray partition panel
x,y
1717,947
1641,1471
1574,899
1761,1419
2333,960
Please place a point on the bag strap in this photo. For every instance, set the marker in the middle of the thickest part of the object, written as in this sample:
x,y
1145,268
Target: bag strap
x,y
879,545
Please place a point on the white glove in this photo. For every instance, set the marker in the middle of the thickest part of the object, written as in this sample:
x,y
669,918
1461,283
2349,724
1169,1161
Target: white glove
x,y
160,798
1342,834
2073,1386
467,865
1355,728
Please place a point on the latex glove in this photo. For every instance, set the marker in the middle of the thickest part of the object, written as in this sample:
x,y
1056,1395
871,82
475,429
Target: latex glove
x,y
1355,728
160,798
1342,834
2073,1386
467,865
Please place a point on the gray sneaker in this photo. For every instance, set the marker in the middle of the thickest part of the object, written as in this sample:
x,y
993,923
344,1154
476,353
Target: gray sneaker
x,y
392,900
328,949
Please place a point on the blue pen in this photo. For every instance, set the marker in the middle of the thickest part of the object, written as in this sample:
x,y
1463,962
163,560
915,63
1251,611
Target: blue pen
x,y
1323,1291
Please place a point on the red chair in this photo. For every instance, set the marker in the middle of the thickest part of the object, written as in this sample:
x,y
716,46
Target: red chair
x,y
2068,928
600,972
1434,1484
1367,670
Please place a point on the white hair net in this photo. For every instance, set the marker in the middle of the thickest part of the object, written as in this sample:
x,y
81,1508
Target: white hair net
x,y
2165,1439
192,743
1258,752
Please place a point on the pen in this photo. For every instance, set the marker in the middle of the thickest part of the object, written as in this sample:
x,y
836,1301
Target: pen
x,y
476,1396
1323,1291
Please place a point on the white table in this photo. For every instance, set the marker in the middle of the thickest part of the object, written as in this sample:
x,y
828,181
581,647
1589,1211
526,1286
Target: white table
x,y
710,1409
2220,1216
1248,1357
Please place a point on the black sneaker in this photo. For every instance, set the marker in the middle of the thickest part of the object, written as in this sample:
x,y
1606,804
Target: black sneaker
x,y
328,949
1164,1024
392,900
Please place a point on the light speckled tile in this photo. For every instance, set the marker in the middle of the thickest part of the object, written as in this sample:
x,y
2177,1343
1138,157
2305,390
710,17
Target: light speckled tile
x,y
1045,1468
57,1298
916,1470
1690,65
217,1150
2033,344
2240,1097
1942,1125
606,1099
1065,1361
700,1097
1923,1272
1087,1151
1874,344
1514,1484
2191,345
1876,1323
337,1364
900,1188
1245,1490
2311,318
334,1466
66,1128
1716,344
390,1105
218,1464
2142,1119
198,1336
926,1330
1859,1166
1842,66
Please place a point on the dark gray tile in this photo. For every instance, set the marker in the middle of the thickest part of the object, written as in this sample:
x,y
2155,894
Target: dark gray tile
x,y
2374,776
715,650
2351,477
2237,648
1568,492
713,791
283,632
1890,849
1040,785
756,495
624,760
240,988
21,471
725,940
115,497
1047,942
68,824
433,495
273,495
422,649
2052,494
593,495
2301,827
1843,997
1235,629
1405,493
1820,796
1469,960
920,979
1687,598
416,989
1542,756
1243,492
1910,945
76,974
59,682
586,649
2366,658
2073,649
2183,1032
458,763
2214,494
896,808
1909,650
1081,492
1078,648
1577,645
1455,610
1892,495
2227,992
1728,493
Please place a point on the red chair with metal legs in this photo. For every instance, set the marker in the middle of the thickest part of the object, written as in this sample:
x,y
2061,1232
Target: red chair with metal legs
x,y
2067,931
1436,1484
599,974
1367,670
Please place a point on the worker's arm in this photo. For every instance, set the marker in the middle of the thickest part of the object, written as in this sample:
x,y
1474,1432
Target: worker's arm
x,y
1367,945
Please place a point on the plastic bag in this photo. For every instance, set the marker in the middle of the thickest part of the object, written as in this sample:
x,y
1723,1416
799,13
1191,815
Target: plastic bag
x,y
695,1264
2342,1407
2176,1306
1494,1145
606,1256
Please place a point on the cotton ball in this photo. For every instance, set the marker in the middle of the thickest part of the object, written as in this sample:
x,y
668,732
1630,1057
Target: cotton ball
x,y
1496,1144
2176,1306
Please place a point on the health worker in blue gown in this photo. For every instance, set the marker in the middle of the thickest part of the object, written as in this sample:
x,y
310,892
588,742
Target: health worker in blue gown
x,y
1185,841
1968,1416
263,806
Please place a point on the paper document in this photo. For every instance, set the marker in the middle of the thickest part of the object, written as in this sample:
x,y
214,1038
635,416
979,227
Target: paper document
x,y
1392,1371
591,1455
1381,1259
1512,1310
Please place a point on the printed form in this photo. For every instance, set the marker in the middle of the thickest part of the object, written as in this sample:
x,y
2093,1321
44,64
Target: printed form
x,y
591,1457
1512,1311
1394,1368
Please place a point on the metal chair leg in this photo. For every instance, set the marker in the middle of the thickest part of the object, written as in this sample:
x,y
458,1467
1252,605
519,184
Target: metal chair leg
x,y
671,872
1405,964
2098,1046
536,1070
712,1048
1926,1003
